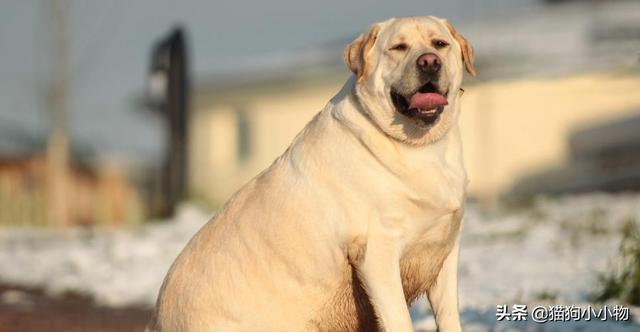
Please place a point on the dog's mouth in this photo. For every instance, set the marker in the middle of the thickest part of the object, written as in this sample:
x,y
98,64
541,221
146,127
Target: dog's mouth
x,y
426,104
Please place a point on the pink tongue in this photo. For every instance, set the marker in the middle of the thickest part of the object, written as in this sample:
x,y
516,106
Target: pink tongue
x,y
427,101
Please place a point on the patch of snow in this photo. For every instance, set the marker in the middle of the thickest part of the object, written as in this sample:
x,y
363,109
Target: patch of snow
x,y
555,248
117,267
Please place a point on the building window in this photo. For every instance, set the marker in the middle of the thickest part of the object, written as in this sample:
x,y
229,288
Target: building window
x,y
244,135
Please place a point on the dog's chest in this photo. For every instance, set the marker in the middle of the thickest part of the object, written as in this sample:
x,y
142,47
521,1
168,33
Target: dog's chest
x,y
434,180
435,208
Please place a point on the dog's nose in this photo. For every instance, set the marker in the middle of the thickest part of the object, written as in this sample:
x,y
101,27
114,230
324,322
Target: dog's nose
x,y
429,63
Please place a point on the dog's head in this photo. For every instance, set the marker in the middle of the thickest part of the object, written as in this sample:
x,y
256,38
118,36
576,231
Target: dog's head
x,y
408,73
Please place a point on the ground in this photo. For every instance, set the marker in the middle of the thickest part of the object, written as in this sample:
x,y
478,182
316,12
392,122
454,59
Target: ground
x,y
548,252
32,310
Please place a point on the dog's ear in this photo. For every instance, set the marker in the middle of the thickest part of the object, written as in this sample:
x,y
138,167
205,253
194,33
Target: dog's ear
x,y
467,51
356,54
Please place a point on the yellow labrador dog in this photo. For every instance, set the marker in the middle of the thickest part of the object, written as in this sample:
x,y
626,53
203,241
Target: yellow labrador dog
x,y
357,218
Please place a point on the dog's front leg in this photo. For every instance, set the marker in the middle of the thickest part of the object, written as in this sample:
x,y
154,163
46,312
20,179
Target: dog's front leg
x,y
443,294
379,272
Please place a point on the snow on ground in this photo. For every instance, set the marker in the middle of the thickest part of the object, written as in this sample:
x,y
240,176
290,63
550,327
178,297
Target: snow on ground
x,y
116,266
549,253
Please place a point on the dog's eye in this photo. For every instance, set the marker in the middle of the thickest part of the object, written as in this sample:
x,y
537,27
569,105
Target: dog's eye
x,y
438,44
400,47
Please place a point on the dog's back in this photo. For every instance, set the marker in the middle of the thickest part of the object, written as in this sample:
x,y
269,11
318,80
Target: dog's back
x,y
262,263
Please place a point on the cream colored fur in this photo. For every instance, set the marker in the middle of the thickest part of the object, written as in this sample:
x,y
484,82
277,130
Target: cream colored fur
x,y
357,218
